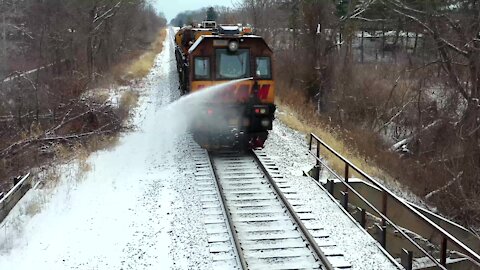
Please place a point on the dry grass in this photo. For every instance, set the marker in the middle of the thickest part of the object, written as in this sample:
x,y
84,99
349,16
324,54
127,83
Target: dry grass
x,y
66,151
48,168
101,96
364,148
136,69
34,207
360,99
303,119
80,152
128,101
102,143
51,176
141,66
352,105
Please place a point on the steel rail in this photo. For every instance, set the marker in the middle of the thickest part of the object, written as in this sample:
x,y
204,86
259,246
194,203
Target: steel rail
x,y
238,247
311,241
471,254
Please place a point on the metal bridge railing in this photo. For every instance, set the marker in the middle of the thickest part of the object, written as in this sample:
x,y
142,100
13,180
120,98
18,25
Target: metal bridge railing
x,y
9,200
444,237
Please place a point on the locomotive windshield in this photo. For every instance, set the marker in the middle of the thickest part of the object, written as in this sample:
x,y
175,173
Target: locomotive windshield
x,y
202,68
232,66
264,70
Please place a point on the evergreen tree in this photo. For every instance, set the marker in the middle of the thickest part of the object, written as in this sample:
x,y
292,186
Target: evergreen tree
x,y
342,7
211,14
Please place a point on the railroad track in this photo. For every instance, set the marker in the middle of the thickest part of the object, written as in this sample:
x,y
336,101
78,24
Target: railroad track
x,y
250,222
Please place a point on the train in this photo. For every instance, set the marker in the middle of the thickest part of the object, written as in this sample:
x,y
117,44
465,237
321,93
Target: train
x,y
231,57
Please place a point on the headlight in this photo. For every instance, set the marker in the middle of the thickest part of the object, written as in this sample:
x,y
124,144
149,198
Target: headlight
x,y
265,122
233,46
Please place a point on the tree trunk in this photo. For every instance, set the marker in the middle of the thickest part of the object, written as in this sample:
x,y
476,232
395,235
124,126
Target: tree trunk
x,y
4,67
89,49
469,130
362,49
415,44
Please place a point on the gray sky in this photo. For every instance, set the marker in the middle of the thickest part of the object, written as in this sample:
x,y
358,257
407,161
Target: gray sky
x,y
172,7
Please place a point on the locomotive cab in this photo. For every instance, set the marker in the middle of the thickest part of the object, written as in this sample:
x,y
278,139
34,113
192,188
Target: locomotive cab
x,y
241,109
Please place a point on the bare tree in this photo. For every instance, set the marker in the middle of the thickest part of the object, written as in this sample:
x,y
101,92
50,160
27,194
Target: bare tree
x,y
455,31
54,50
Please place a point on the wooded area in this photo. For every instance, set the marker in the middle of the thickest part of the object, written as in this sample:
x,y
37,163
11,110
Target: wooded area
x,y
52,52
397,80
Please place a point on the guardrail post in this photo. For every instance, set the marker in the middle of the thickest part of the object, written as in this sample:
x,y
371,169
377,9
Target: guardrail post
x,y
384,208
331,186
363,218
346,172
443,252
381,227
317,163
316,172
16,179
381,235
344,199
346,185
406,259
384,236
384,221
310,143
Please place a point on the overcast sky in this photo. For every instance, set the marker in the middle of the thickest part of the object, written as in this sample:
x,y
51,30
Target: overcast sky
x,y
172,7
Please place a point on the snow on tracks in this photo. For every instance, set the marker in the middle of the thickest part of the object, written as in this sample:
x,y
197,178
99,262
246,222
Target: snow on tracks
x,y
288,149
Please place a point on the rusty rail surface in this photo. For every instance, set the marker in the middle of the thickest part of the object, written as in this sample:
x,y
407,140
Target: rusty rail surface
x,y
311,240
308,238
445,237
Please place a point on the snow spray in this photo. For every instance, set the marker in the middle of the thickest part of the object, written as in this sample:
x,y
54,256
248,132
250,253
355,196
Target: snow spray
x,y
179,115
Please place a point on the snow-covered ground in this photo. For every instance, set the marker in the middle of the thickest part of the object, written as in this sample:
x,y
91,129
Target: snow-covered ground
x,y
289,150
136,206
133,207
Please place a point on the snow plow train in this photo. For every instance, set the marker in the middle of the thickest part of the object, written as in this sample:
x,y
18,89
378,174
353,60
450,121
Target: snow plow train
x,y
239,113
